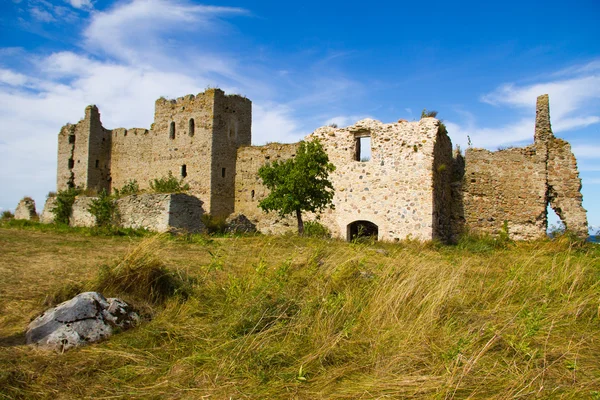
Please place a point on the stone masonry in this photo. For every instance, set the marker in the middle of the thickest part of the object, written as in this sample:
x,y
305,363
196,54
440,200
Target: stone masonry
x,y
514,187
26,209
410,184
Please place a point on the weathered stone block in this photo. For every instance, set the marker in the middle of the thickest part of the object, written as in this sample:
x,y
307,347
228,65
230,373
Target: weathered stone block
x,y
26,209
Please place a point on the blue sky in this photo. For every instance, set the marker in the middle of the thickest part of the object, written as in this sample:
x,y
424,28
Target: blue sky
x,y
303,64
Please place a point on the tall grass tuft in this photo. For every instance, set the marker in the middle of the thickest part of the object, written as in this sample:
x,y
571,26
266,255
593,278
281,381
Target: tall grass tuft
x,y
142,276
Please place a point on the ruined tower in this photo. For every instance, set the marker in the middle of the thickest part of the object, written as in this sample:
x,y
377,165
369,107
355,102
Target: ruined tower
x,y
195,138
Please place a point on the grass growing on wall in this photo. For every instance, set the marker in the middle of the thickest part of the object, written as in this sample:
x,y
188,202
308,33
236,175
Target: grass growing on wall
x,y
297,317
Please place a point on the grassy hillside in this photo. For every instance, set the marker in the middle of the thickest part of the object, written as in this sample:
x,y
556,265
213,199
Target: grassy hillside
x,y
287,317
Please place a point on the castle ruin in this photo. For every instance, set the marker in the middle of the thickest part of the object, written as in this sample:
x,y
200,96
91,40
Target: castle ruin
x,y
411,186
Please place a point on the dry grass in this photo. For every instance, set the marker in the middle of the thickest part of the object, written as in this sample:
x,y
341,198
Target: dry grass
x,y
287,317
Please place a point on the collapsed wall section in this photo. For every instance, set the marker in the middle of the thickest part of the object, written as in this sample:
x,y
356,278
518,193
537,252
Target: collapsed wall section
x,y
564,187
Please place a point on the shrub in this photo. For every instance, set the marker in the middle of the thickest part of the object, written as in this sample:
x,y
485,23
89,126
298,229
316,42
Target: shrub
x,y
316,229
214,224
104,209
128,189
64,205
6,215
168,184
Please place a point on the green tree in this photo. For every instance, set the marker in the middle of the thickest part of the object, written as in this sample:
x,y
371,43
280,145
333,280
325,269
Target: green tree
x,y
300,183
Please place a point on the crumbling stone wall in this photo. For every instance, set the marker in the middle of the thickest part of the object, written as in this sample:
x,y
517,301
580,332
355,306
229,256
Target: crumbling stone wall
x,y
47,216
515,186
564,187
26,209
507,185
394,189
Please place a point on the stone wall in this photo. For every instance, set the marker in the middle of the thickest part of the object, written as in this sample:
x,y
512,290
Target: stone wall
x,y
26,209
564,187
47,217
193,137
80,216
515,186
507,185
161,212
394,189
249,190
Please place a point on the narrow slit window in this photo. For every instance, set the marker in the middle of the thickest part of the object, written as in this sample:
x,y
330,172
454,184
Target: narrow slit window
x,y
222,172
252,194
183,171
97,163
363,149
192,127
172,130
71,163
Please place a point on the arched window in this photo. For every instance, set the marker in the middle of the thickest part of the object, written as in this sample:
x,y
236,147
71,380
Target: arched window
x,y
172,130
192,127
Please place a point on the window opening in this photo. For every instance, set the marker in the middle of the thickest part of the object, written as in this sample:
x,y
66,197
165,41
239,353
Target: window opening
x,y
183,171
192,127
71,163
71,139
363,149
97,163
252,193
362,230
222,172
172,130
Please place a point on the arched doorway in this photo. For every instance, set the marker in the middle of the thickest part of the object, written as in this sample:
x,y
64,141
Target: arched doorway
x,y
362,229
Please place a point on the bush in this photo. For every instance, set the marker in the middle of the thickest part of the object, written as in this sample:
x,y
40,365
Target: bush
x,y
141,275
104,209
214,224
316,229
168,184
128,189
64,205
7,215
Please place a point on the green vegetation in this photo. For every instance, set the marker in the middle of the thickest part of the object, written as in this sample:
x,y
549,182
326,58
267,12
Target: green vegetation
x,y
299,184
297,317
6,215
214,225
316,230
168,184
433,114
63,207
104,209
128,189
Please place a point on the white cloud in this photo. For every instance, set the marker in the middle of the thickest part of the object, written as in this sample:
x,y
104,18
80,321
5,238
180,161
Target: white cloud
x,y
81,4
41,15
586,151
11,78
139,30
273,122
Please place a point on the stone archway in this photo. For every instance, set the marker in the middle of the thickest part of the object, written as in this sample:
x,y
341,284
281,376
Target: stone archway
x,y
362,229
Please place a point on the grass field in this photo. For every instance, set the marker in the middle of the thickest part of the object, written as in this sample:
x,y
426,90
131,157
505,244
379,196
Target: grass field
x,y
284,317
